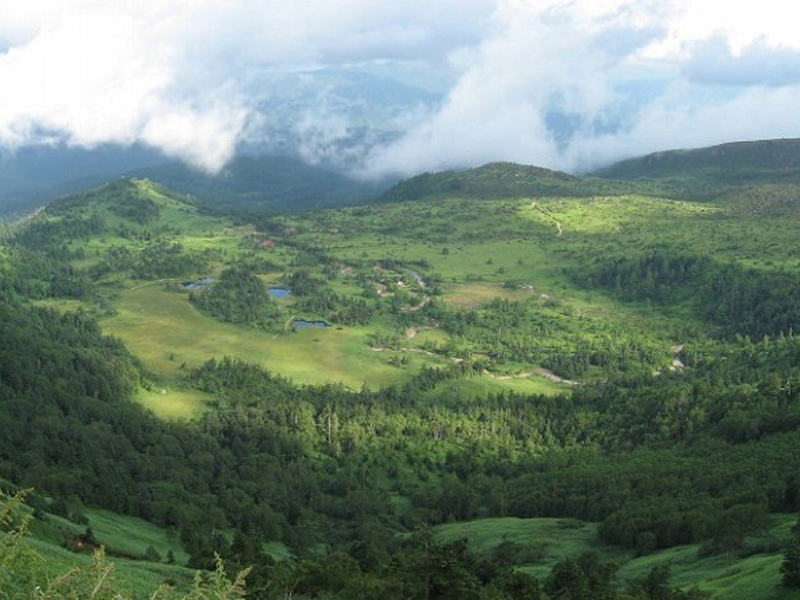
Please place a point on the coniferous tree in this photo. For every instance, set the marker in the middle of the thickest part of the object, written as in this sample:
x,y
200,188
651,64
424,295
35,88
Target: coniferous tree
x,y
790,568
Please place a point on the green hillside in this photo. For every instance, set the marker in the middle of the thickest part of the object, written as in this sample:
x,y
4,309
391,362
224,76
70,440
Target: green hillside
x,y
498,180
587,380
740,162
757,177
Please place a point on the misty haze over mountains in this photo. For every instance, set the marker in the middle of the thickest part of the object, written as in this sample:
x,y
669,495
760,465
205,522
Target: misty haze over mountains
x,y
388,91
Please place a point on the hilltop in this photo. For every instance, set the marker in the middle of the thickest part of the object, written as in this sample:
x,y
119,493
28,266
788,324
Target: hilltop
x,y
32,177
497,180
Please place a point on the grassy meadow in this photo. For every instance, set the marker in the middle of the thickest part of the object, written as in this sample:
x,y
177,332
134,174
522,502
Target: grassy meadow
x,y
125,541
471,252
169,335
542,543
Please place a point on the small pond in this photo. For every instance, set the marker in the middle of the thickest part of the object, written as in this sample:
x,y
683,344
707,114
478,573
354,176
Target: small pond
x,y
200,284
279,292
304,323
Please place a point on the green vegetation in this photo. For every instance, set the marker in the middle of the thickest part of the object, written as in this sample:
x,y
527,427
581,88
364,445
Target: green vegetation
x,y
596,387
239,297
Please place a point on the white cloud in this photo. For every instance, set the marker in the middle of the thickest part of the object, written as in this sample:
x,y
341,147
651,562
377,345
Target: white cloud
x,y
628,77
174,73
678,120
106,75
498,109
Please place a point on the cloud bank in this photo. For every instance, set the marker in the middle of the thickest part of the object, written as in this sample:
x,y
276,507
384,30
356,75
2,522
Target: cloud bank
x,y
568,85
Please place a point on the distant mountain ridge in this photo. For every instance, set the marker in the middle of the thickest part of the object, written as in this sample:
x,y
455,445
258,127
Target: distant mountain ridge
x,y
273,184
31,177
745,161
262,183
37,176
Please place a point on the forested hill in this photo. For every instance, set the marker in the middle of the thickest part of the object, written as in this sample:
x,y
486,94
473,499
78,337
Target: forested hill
x,y
497,180
771,161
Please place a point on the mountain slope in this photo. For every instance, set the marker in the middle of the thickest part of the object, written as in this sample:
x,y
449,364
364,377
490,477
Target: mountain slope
x,y
33,176
741,162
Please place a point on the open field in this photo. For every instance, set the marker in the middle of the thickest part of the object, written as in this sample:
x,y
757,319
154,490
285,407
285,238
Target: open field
x,y
476,294
170,335
482,386
474,254
138,576
172,402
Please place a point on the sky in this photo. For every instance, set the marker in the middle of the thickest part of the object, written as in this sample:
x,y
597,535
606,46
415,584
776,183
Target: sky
x,y
570,85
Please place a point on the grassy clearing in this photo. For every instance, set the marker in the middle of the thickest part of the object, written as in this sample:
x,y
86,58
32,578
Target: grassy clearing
x,y
138,576
610,214
552,539
170,403
123,538
483,386
755,577
725,577
119,534
169,335
63,304
129,535
476,294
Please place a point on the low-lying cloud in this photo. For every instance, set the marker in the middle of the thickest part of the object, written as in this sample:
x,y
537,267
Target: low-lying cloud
x,y
564,85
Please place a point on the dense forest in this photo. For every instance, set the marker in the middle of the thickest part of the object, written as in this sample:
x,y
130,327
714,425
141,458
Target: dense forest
x,y
312,466
319,465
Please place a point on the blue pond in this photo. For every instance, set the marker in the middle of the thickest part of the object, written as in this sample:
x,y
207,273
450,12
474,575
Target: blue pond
x,y
279,292
304,323
200,284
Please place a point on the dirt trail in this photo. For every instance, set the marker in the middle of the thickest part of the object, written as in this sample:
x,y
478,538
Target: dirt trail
x,y
550,376
677,363
545,373
425,301
418,277
523,375
559,227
